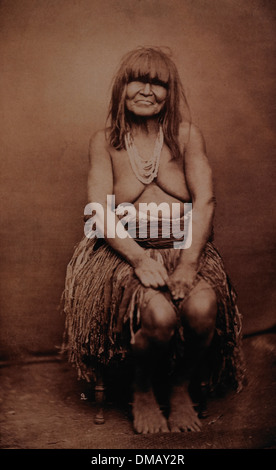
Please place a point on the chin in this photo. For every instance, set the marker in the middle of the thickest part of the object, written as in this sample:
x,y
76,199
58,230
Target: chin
x,y
146,112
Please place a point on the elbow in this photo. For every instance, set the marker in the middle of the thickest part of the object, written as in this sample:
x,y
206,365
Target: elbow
x,y
211,202
204,209
210,207
204,204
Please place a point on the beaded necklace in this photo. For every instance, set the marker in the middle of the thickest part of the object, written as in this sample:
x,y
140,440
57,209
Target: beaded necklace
x,y
144,170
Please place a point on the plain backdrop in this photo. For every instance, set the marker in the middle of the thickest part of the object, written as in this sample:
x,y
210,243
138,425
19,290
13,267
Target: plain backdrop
x,y
58,58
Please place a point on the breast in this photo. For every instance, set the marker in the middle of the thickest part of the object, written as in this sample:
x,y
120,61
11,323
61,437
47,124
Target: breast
x,y
169,186
171,179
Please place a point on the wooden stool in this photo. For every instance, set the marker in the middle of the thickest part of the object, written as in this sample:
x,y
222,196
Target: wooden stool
x,y
99,390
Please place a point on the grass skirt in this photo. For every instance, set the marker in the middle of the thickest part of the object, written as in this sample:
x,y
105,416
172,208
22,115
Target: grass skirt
x,y
102,301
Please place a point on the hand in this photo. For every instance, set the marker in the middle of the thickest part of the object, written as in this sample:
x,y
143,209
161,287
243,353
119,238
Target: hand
x,y
151,273
180,281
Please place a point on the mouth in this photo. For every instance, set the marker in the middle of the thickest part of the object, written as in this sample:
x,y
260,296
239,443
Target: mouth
x,y
144,102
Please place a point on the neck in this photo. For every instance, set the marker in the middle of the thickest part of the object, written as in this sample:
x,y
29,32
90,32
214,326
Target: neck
x,y
144,125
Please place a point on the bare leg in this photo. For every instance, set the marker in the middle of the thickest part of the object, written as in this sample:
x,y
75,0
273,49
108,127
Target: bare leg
x,y
147,416
158,322
199,317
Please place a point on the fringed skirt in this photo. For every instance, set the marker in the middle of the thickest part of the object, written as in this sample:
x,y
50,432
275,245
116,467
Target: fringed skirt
x,y
102,302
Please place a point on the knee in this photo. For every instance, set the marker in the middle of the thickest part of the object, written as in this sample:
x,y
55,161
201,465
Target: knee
x,y
200,313
159,320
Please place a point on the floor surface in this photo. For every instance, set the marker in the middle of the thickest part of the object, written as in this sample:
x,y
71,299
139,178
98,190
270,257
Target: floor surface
x,y
44,406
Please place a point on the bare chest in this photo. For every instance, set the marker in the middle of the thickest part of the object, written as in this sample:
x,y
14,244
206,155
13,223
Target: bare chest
x,y
169,185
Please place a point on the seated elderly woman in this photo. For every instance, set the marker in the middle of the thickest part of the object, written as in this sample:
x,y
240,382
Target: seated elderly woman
x,y
152,298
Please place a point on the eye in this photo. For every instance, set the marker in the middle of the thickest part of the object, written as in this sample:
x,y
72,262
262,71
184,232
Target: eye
x,y
142,80
153,81
157,82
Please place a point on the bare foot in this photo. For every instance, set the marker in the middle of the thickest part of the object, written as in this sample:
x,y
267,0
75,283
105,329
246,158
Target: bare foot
x,y
183,416
147,415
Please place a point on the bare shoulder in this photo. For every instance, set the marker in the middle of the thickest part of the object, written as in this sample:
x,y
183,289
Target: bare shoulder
x,y
190,134
196,148
98,143
100,137
192,145
183,134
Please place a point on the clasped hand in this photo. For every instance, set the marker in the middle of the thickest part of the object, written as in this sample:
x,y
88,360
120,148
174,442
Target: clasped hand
x,y
152,273
181,280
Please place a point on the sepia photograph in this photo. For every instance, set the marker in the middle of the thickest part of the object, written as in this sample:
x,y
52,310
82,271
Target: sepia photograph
x,y
138,229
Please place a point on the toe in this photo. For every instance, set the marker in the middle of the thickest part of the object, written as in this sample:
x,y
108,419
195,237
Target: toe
x,y
184,428
164,428
198,423
175,429
146,429
197,427
138,428
191,428
173,426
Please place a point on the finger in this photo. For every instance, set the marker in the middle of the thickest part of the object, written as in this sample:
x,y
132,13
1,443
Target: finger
x,y
165,274
180,292
176,293
170,284
162,273
145,282
154,284
158,279
171,288
173,293
153,280
161,282
178,297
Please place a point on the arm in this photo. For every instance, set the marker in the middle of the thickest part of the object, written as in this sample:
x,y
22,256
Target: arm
x,y
99,185
199,179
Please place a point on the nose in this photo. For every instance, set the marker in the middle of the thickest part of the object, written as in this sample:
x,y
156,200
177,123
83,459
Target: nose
x,y
146,90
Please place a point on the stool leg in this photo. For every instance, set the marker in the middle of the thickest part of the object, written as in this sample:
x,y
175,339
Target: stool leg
x,y
100,398
204,391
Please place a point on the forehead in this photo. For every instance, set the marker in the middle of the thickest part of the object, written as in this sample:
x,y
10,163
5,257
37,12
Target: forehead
x,y
147,66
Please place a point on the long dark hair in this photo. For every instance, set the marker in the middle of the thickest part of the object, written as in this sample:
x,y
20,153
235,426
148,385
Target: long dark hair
x,y
149,63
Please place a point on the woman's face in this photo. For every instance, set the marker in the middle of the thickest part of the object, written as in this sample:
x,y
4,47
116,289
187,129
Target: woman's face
x,y
145,98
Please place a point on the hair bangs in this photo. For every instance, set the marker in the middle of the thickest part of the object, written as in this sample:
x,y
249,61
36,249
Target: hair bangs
x,y
147,65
